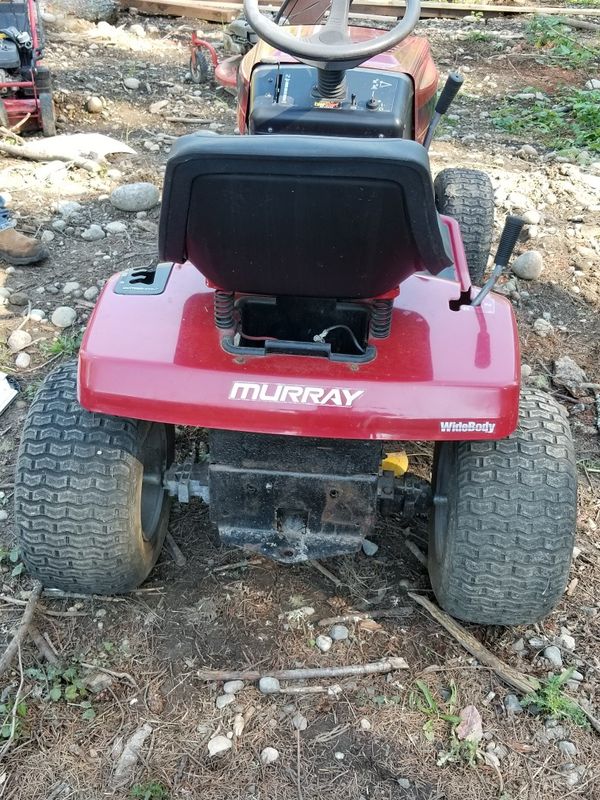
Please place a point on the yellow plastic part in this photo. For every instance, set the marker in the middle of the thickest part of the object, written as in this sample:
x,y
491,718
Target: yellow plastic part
x,y
396,463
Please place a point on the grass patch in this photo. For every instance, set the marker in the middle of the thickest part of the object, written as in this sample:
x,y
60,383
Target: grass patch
x,y
67,344
151,790
557,43
570,119
551,700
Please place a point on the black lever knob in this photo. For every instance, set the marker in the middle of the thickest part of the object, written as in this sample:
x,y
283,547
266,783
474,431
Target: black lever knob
x,y
451,88
512,230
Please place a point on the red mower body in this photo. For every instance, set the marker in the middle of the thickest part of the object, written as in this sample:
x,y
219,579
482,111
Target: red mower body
x,y
443,374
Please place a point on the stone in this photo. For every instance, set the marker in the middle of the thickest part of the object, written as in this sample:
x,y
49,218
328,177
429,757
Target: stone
x,y
593,83
512,704
18,340
403,783
93,234
527,151
22,361
323,643
135,197
160,105
138,30
59,225
70,287
525,372
94,105
528,266
63,317
553,655
3,515
18,299
339,633
567,748
531,217
115,227
518,201
542,327
37,315
568,373
269,685
151,146
365,725
131,83
97,682
269,755
91,293
231,687
66,208
299,722
224,700
4,292
369,548
218,745
566,641
47,237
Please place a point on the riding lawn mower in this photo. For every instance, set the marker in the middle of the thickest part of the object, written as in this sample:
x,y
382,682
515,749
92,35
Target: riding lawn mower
x,y
25,85
320,299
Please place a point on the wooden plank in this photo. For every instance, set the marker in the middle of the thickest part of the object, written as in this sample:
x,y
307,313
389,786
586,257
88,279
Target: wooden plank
x,y
213,11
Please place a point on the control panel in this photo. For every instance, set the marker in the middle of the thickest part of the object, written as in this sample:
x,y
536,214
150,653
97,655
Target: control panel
x,y
284,99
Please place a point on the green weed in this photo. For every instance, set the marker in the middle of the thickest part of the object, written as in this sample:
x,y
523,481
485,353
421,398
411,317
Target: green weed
x,y
151,790
424,701
558,45
570,119
63,684
551,700
6,712
67,344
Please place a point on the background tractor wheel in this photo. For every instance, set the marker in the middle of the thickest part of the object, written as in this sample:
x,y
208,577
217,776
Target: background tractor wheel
x,y
200,66
3,115
467,195
503,525
90,511
47,115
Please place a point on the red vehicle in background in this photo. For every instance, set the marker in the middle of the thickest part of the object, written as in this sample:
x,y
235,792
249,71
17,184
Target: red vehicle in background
x,y
25,85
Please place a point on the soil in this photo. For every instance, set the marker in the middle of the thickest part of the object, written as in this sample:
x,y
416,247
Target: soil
x,y
217,612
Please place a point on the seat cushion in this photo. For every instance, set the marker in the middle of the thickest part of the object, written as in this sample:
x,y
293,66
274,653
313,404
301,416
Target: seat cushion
x,y
301,215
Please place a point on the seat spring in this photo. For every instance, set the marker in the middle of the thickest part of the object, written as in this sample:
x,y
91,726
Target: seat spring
x,y
224,305
381,318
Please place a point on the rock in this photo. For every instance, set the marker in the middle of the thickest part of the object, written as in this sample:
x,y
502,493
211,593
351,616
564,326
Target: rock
x,y
365,725
138,30
157,107
339,756
576,676
126,764
18,299
91,293
59,225
231,687
512,704
239,723
567,748
70,287
37,315
369,548
593,83
94,105
22,361
66,208
566,641
574,774
47,237
527,151
269,755
97,682
518,201
531,217
528,266
18,340
339,633
93,234
115,227
553,655
3,515
131,83
323,643
525,372
218,745
569,374
299,722
135,197
543,328
4,292
224,700
269,685
536,643
151,146
63,317
403,783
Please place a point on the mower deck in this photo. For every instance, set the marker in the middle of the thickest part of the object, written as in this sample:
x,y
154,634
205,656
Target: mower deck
x,y
441,374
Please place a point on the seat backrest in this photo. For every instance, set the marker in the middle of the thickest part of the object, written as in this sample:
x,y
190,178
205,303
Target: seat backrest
x,y
311,216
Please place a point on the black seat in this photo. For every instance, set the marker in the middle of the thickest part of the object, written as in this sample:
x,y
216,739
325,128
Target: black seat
x,y
301,215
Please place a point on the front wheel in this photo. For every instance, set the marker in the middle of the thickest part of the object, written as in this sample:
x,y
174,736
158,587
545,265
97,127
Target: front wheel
x,y
91,514
47,114
503,526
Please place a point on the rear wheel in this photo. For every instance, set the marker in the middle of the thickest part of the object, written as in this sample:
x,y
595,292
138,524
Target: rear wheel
x,y
503,526
91,514
200,66
467,195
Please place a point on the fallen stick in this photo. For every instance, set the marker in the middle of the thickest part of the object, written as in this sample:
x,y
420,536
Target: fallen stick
x,y
15,643
43,646
31,154
124,676
178,557
189,120
304,674
417,552
56,594
357,616
524,684
42,609
580,24
324,571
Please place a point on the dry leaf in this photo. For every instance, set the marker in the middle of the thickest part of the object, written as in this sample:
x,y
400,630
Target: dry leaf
x,y
369,625
155,701
469,728
521,747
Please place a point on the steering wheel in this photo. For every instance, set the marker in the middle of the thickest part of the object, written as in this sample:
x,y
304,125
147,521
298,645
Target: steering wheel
x,y
331,47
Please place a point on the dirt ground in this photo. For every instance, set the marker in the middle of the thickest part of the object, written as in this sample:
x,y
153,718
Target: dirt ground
x,y
373,740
